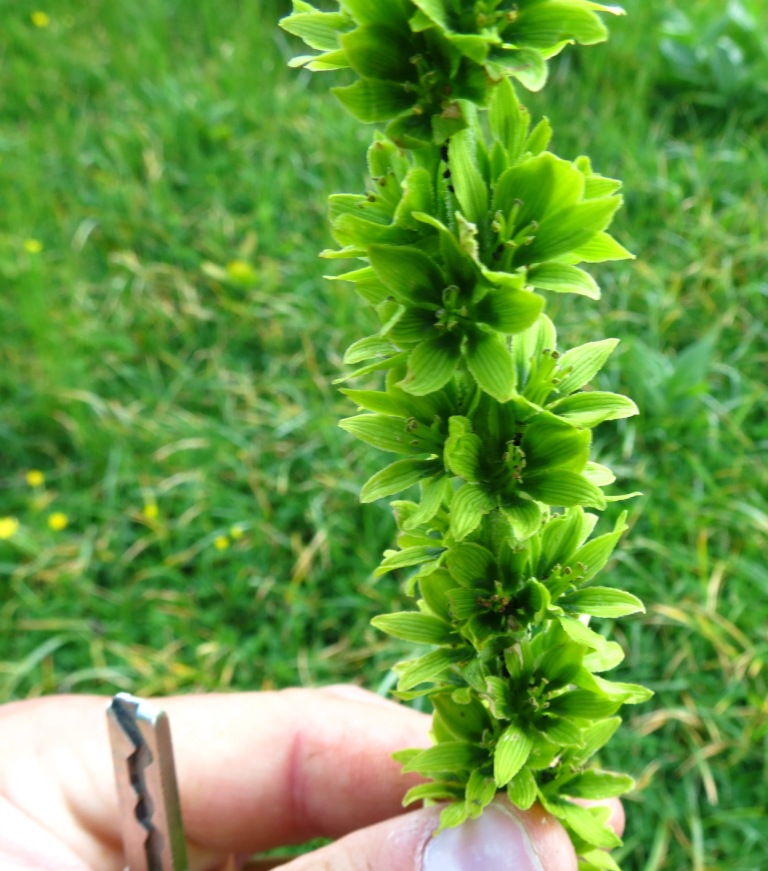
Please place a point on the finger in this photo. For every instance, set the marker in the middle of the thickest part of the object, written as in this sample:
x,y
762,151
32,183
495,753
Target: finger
x,y
617,820
27,846
301,764
255,770
500,840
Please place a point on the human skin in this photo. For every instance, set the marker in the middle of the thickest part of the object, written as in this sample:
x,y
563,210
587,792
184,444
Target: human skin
x,y
256,771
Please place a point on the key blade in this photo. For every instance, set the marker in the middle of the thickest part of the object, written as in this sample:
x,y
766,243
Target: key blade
x,y
148,796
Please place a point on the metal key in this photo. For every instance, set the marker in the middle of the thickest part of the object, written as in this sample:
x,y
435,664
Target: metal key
x,y
153,834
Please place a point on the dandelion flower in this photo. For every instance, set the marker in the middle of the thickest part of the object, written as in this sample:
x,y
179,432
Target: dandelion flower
x,y
35,478
221,543
9,526
40,19
57,521
33,246
150,511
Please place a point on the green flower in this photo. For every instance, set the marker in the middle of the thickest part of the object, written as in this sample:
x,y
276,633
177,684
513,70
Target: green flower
x,y
446,312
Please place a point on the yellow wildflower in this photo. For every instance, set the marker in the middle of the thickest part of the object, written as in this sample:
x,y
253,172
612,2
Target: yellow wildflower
x,y
241,272
35,478
236,532
150,511
33,246
40,19
221,543
57,521
9,526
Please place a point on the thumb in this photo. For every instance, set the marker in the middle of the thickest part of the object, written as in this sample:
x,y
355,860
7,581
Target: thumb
x,y
502,839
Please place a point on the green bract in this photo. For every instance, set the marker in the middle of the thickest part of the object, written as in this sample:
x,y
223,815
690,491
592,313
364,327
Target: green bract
x,y
468,223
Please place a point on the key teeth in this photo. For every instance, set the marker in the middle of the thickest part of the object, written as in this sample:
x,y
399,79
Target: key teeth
x,y
129,715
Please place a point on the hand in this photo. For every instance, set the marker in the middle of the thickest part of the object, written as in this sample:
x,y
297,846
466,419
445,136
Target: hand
x,y
256,771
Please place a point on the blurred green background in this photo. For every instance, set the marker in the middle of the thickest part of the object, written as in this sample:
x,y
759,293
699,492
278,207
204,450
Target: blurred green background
x,y
178,510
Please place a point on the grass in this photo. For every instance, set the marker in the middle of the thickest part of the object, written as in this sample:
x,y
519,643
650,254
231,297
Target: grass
x,y
166,352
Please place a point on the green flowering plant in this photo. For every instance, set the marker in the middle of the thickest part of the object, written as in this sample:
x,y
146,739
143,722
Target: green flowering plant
x,y
468,222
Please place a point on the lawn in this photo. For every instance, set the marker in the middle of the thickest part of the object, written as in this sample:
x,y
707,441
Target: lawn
x,y
178,510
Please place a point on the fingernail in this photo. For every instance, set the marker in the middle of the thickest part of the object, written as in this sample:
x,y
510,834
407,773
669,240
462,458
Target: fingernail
x,y
496,841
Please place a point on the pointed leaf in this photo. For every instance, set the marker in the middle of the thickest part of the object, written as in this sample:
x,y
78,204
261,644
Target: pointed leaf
x,y
435,11
408,556
469,505
367,349
463,604
626,693
592,557
590,824
481,791
596,736
490,362
509,311
566,229
366,284
598,860
411,276
429,667
544,25
562,278
551,444
512,751
521,790
411,626
601,248
392,13
564,487
600,186
509,119
395,478
371,100
525,65
563,732
470,564
376,51
453,815
561,536
593,407
471,191
431,365
582,703
524,518
603,602
466,722
418,196
579,366
319,30
435,791
539,138
448,756
462,449
376,400
605,654
391,433
434,590
598,785
433,491
529,189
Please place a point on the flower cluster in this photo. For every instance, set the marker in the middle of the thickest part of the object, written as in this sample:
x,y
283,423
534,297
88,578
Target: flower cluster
x,y
418,61
468,223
